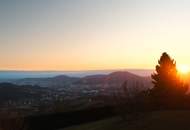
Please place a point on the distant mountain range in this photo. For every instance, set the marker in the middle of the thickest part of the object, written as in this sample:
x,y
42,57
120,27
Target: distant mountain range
x,y
4,75
73,87
96,82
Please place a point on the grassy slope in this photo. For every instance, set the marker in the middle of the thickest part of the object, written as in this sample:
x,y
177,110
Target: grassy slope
x,y
159,120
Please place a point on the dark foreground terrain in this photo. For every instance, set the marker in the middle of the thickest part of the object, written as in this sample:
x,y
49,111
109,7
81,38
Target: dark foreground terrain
x,y
66,119
157,120
104,118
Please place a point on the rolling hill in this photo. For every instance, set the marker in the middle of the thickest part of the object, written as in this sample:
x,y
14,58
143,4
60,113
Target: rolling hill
x,y
106,83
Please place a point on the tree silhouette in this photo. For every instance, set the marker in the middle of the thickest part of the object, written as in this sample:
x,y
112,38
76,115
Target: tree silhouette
x,y
168,87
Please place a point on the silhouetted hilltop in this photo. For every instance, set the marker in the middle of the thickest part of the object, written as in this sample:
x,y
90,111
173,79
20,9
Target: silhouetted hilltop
x,y
114,77
114,81
92,79
122,76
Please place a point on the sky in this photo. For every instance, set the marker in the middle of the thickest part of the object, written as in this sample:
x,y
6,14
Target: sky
x,y
92,34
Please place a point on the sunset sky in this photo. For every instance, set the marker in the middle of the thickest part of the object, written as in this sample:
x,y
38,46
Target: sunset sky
x,y
92,34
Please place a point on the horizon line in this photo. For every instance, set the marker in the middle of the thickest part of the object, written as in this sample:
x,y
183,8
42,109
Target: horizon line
x,y
51,70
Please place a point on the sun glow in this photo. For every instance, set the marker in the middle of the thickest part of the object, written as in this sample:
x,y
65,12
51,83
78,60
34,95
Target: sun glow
x,y
183,69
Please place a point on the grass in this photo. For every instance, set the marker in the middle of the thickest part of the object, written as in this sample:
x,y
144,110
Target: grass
x,y
158,120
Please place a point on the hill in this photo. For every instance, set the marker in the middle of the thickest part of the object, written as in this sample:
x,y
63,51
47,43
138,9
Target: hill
x,y
112,82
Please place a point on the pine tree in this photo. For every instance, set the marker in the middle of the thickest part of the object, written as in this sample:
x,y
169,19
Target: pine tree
x,y
167,84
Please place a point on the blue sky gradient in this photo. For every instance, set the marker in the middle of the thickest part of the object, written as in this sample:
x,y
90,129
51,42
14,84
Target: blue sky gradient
x,y
92,34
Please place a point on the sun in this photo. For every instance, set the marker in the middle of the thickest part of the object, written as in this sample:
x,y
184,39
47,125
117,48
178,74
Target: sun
x,y
183,69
